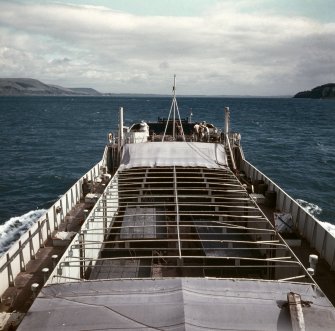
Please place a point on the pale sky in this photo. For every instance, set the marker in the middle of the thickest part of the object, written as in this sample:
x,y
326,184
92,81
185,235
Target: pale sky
x,y
215,47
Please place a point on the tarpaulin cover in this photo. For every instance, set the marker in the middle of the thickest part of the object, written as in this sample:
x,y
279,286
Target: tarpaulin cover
x,y
175,304
182,154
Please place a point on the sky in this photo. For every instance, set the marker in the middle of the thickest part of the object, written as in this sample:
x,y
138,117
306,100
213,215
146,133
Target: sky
x,y
214,47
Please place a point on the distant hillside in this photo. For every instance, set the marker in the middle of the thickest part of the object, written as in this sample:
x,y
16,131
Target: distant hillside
x,y
28,86
320,92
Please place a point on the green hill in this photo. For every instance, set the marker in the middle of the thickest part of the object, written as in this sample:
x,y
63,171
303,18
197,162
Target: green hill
x,y
326,91
29,86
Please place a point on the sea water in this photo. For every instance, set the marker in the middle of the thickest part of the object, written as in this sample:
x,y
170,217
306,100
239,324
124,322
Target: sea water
x,y
47,143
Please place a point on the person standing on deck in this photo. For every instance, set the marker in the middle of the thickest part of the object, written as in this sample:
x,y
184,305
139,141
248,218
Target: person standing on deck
x,y
144,127
196,129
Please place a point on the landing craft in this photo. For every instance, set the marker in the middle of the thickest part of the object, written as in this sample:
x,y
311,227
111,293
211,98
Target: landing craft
x,y
172,232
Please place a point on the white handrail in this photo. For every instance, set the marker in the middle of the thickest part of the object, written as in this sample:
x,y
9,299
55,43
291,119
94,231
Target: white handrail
x,y
25,248
230,151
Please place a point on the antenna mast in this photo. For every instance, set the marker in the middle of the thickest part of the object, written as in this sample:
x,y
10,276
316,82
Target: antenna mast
x,y
175,108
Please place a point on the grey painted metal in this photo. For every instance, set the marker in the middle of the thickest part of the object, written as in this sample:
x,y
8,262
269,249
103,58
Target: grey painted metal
x,y
308,226
178,304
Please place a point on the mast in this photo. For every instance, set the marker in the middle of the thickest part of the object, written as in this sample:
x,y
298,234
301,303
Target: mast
x,y
174,107
227,120
120,128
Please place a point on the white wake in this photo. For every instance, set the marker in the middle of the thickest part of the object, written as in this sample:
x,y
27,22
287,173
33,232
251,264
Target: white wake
x,y
16,226
315,210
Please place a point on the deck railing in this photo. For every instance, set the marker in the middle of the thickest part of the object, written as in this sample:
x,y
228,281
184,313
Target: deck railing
x,y
25,248
229,144
306,224
76,259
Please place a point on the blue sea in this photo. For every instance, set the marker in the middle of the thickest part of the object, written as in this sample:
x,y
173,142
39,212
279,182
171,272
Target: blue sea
x,y
48,142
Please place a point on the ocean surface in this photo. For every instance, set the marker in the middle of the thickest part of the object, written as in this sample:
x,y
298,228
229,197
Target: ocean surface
x,y
48,142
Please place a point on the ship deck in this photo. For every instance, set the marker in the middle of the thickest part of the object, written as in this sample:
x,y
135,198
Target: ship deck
x,y
189,222
178,222
323,276
175,222
19,297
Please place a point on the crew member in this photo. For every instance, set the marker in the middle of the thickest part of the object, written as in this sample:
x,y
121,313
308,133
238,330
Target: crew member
x,y
196,129
110,137
144,127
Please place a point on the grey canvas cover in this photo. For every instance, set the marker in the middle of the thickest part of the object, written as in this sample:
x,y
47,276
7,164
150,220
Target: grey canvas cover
x,y
178,153
176,304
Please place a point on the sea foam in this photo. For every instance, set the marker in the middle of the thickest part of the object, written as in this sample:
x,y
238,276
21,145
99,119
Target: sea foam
x,y
16,226
315,210
312,208
329,227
